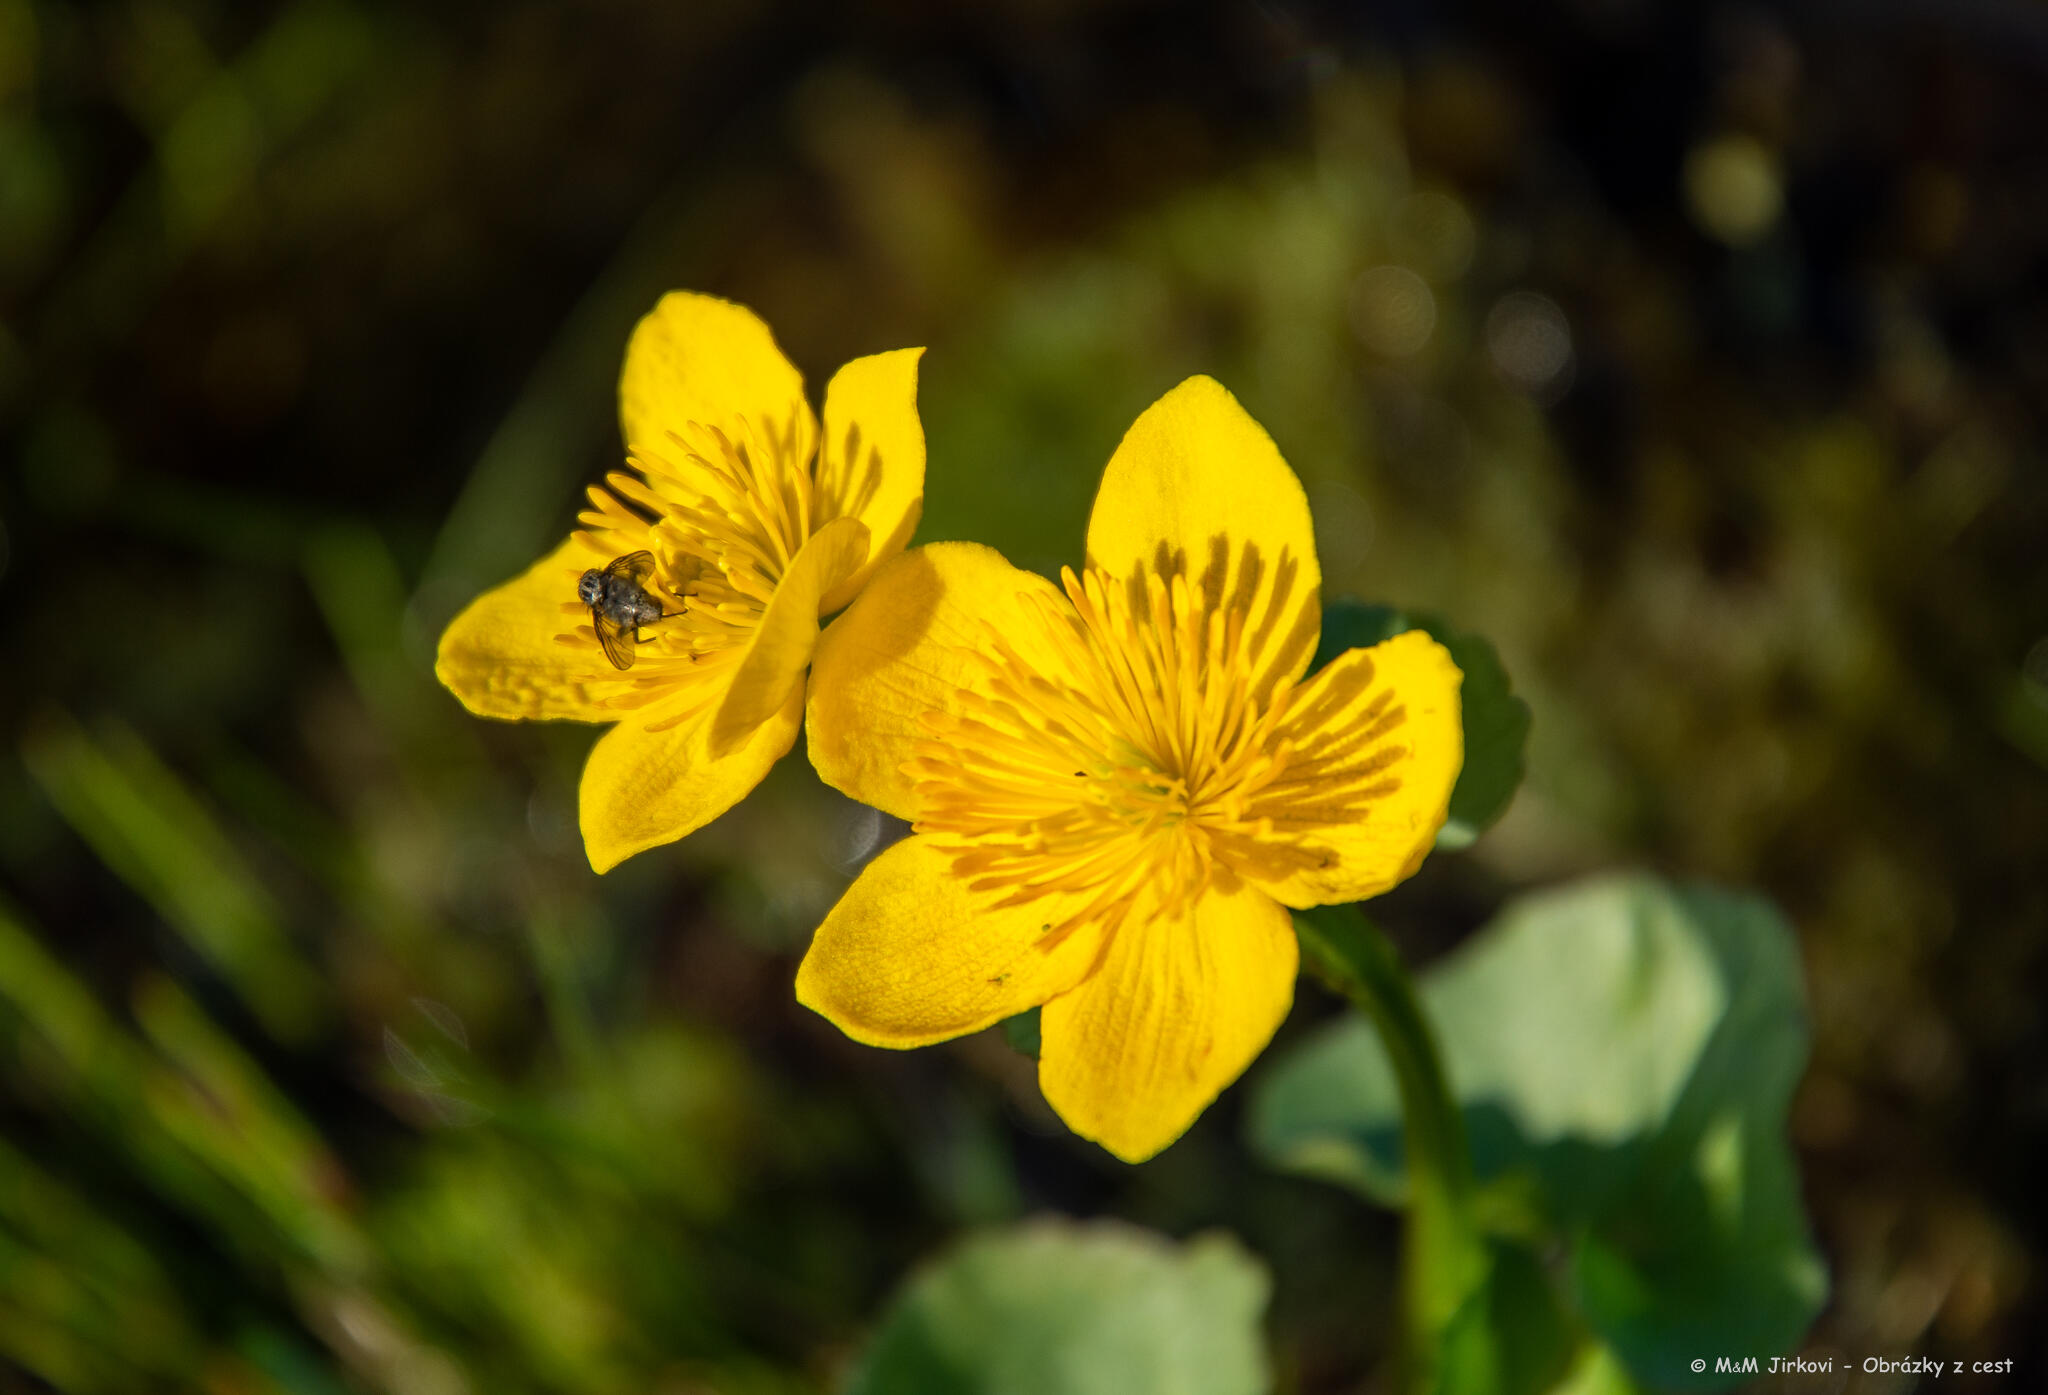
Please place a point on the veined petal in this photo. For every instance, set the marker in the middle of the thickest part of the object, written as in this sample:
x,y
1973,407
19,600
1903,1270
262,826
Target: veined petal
x,y
1376,746
1177,1011
911,955
773,665
871,458
904,648
696,358
502,656
1198,487
647,783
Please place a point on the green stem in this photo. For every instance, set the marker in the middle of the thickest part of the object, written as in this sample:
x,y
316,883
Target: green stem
x,y
1445,1266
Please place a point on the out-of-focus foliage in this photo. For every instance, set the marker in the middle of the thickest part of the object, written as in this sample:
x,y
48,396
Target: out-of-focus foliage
x,y
1690,354
1625,1055
1053,1309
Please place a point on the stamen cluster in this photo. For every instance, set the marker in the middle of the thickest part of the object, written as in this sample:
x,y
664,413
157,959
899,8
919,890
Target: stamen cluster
x,y
724,509
1130,747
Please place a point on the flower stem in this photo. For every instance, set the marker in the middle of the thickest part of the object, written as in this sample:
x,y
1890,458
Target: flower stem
x,y
1446,1263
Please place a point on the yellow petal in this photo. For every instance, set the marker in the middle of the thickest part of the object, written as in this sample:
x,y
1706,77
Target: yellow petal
x,y
871,459
642,788
702,359
911,955
1198,487
903,649
1177,1011
1376,746
780,650
503,657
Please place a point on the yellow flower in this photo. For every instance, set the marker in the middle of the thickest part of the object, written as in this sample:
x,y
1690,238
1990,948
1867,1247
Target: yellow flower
x,y
754,528
1118,785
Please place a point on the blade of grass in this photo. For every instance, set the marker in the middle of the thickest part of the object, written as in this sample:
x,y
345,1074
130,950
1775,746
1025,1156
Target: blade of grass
x,y
156,835
87,1065
223,1109
82,1295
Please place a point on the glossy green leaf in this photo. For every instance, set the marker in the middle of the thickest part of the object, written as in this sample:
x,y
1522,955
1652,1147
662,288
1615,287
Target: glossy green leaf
x,y
1053,1308
1496,721
1624,1053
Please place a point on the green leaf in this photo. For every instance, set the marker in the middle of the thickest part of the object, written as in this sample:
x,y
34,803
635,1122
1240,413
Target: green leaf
x,y
1530,1329
1595,1371
1496,721
1624,1053
1021,1032
1054,1308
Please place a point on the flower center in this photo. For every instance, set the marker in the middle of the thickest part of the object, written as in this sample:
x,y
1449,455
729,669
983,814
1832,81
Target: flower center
x,y
1116,750
723,509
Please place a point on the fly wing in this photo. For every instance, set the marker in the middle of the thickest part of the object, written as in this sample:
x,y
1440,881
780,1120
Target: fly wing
x,y
616,639
636,567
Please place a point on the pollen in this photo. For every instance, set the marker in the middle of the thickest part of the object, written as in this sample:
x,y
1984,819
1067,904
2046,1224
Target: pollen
x,y
1125,748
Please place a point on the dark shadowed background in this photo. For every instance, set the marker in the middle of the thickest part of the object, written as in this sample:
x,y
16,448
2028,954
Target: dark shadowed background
x,y
1696,354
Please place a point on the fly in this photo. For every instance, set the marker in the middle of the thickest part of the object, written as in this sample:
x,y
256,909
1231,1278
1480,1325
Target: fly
x,y
620,605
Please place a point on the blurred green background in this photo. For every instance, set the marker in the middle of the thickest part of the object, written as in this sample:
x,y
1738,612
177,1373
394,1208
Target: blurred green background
x,y
1696,354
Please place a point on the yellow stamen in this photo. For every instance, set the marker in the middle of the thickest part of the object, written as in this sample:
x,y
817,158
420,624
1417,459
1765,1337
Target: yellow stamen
x,y
724,508
1122,749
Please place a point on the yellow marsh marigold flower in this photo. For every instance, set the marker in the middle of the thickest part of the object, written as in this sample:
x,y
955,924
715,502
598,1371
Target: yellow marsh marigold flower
x,y
755,527
1119,784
